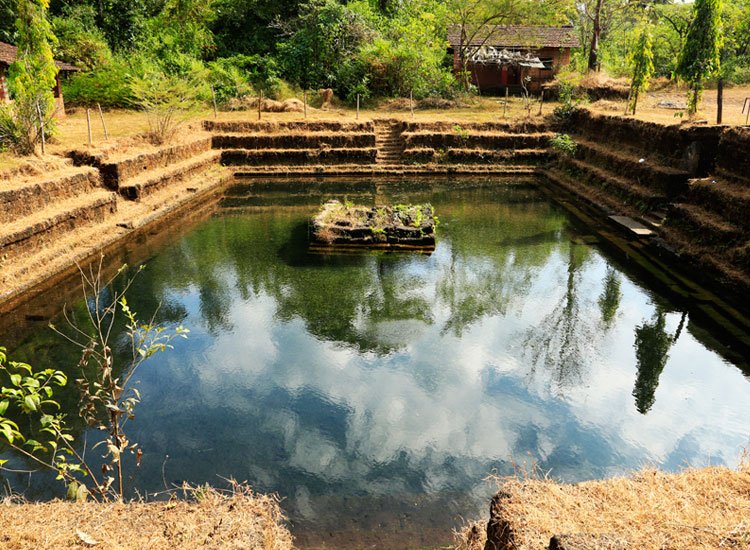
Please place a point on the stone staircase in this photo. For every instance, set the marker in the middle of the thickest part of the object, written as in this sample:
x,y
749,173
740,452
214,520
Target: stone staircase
x,y
297,146
709,223
625,180
389,142
38,212
378,147
474,144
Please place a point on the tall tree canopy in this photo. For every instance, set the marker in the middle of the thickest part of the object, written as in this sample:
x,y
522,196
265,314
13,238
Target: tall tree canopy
x,y
700,57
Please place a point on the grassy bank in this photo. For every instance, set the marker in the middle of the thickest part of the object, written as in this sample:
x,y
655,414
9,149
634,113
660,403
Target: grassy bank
x,y
698,508
211,519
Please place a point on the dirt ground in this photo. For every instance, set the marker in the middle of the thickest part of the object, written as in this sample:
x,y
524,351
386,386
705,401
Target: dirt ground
x,y
668,107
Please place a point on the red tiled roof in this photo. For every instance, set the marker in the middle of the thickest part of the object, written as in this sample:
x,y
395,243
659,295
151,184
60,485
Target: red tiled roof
x,y
516,36
8,56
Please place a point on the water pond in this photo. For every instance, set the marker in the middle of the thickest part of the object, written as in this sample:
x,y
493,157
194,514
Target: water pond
x,y
375,392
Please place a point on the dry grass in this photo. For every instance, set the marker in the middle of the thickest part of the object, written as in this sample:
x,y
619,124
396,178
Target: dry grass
x,y
649,109
238,520
704,508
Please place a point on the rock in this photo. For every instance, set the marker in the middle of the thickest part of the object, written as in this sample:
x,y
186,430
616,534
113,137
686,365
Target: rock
x,y
676,105
401,226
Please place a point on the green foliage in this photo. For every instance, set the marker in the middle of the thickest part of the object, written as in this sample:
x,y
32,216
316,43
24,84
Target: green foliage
x,y
107,396
324,36
7,21
28,394
168,99
13,135
32,75
80,42
700,57
641,61
108,85
564,145
568,104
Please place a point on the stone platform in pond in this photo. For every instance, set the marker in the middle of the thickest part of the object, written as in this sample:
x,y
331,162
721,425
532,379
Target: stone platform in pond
x,y
343,225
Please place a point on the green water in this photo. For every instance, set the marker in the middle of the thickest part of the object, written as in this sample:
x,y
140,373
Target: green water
x,y
375,392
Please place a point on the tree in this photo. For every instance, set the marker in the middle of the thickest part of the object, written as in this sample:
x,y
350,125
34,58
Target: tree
x,y
641,59
32,76
700,57
7,19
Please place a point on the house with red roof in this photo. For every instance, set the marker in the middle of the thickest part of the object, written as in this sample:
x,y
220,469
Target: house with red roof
x,y
507,56
8,55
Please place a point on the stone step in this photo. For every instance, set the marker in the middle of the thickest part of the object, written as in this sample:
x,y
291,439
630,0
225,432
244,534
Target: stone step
x,y
233,157
382,169
645,170
317,140
21,197
728,198
137,188
247,126
446,140
642,198
32,232
115,171
591,194
704,225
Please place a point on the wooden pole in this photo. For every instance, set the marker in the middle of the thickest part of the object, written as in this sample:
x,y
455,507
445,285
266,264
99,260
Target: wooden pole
x,y
746,106
260,103
411,103
41,129
88,122
720,101
541,102
213,98
101,116
357,106
304,97
505,105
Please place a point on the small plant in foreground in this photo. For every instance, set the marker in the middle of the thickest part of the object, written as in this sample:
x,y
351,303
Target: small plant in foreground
x,y
564,145
107,396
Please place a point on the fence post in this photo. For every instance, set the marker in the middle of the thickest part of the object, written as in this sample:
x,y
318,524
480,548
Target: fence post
x,y
101,116
505,105
88,123
357,106
411,103
304,97
541,102
260,103
41,129
213,98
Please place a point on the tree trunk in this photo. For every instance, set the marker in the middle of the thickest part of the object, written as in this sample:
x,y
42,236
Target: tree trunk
x,y
720,101
597,31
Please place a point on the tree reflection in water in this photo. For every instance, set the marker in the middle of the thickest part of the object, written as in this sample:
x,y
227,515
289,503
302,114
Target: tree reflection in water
x,y
563,339
652,345
609,301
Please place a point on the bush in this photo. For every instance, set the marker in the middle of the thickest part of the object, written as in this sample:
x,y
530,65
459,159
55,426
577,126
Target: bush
x,y
564,145
563,113
169,100
12,135
107,85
